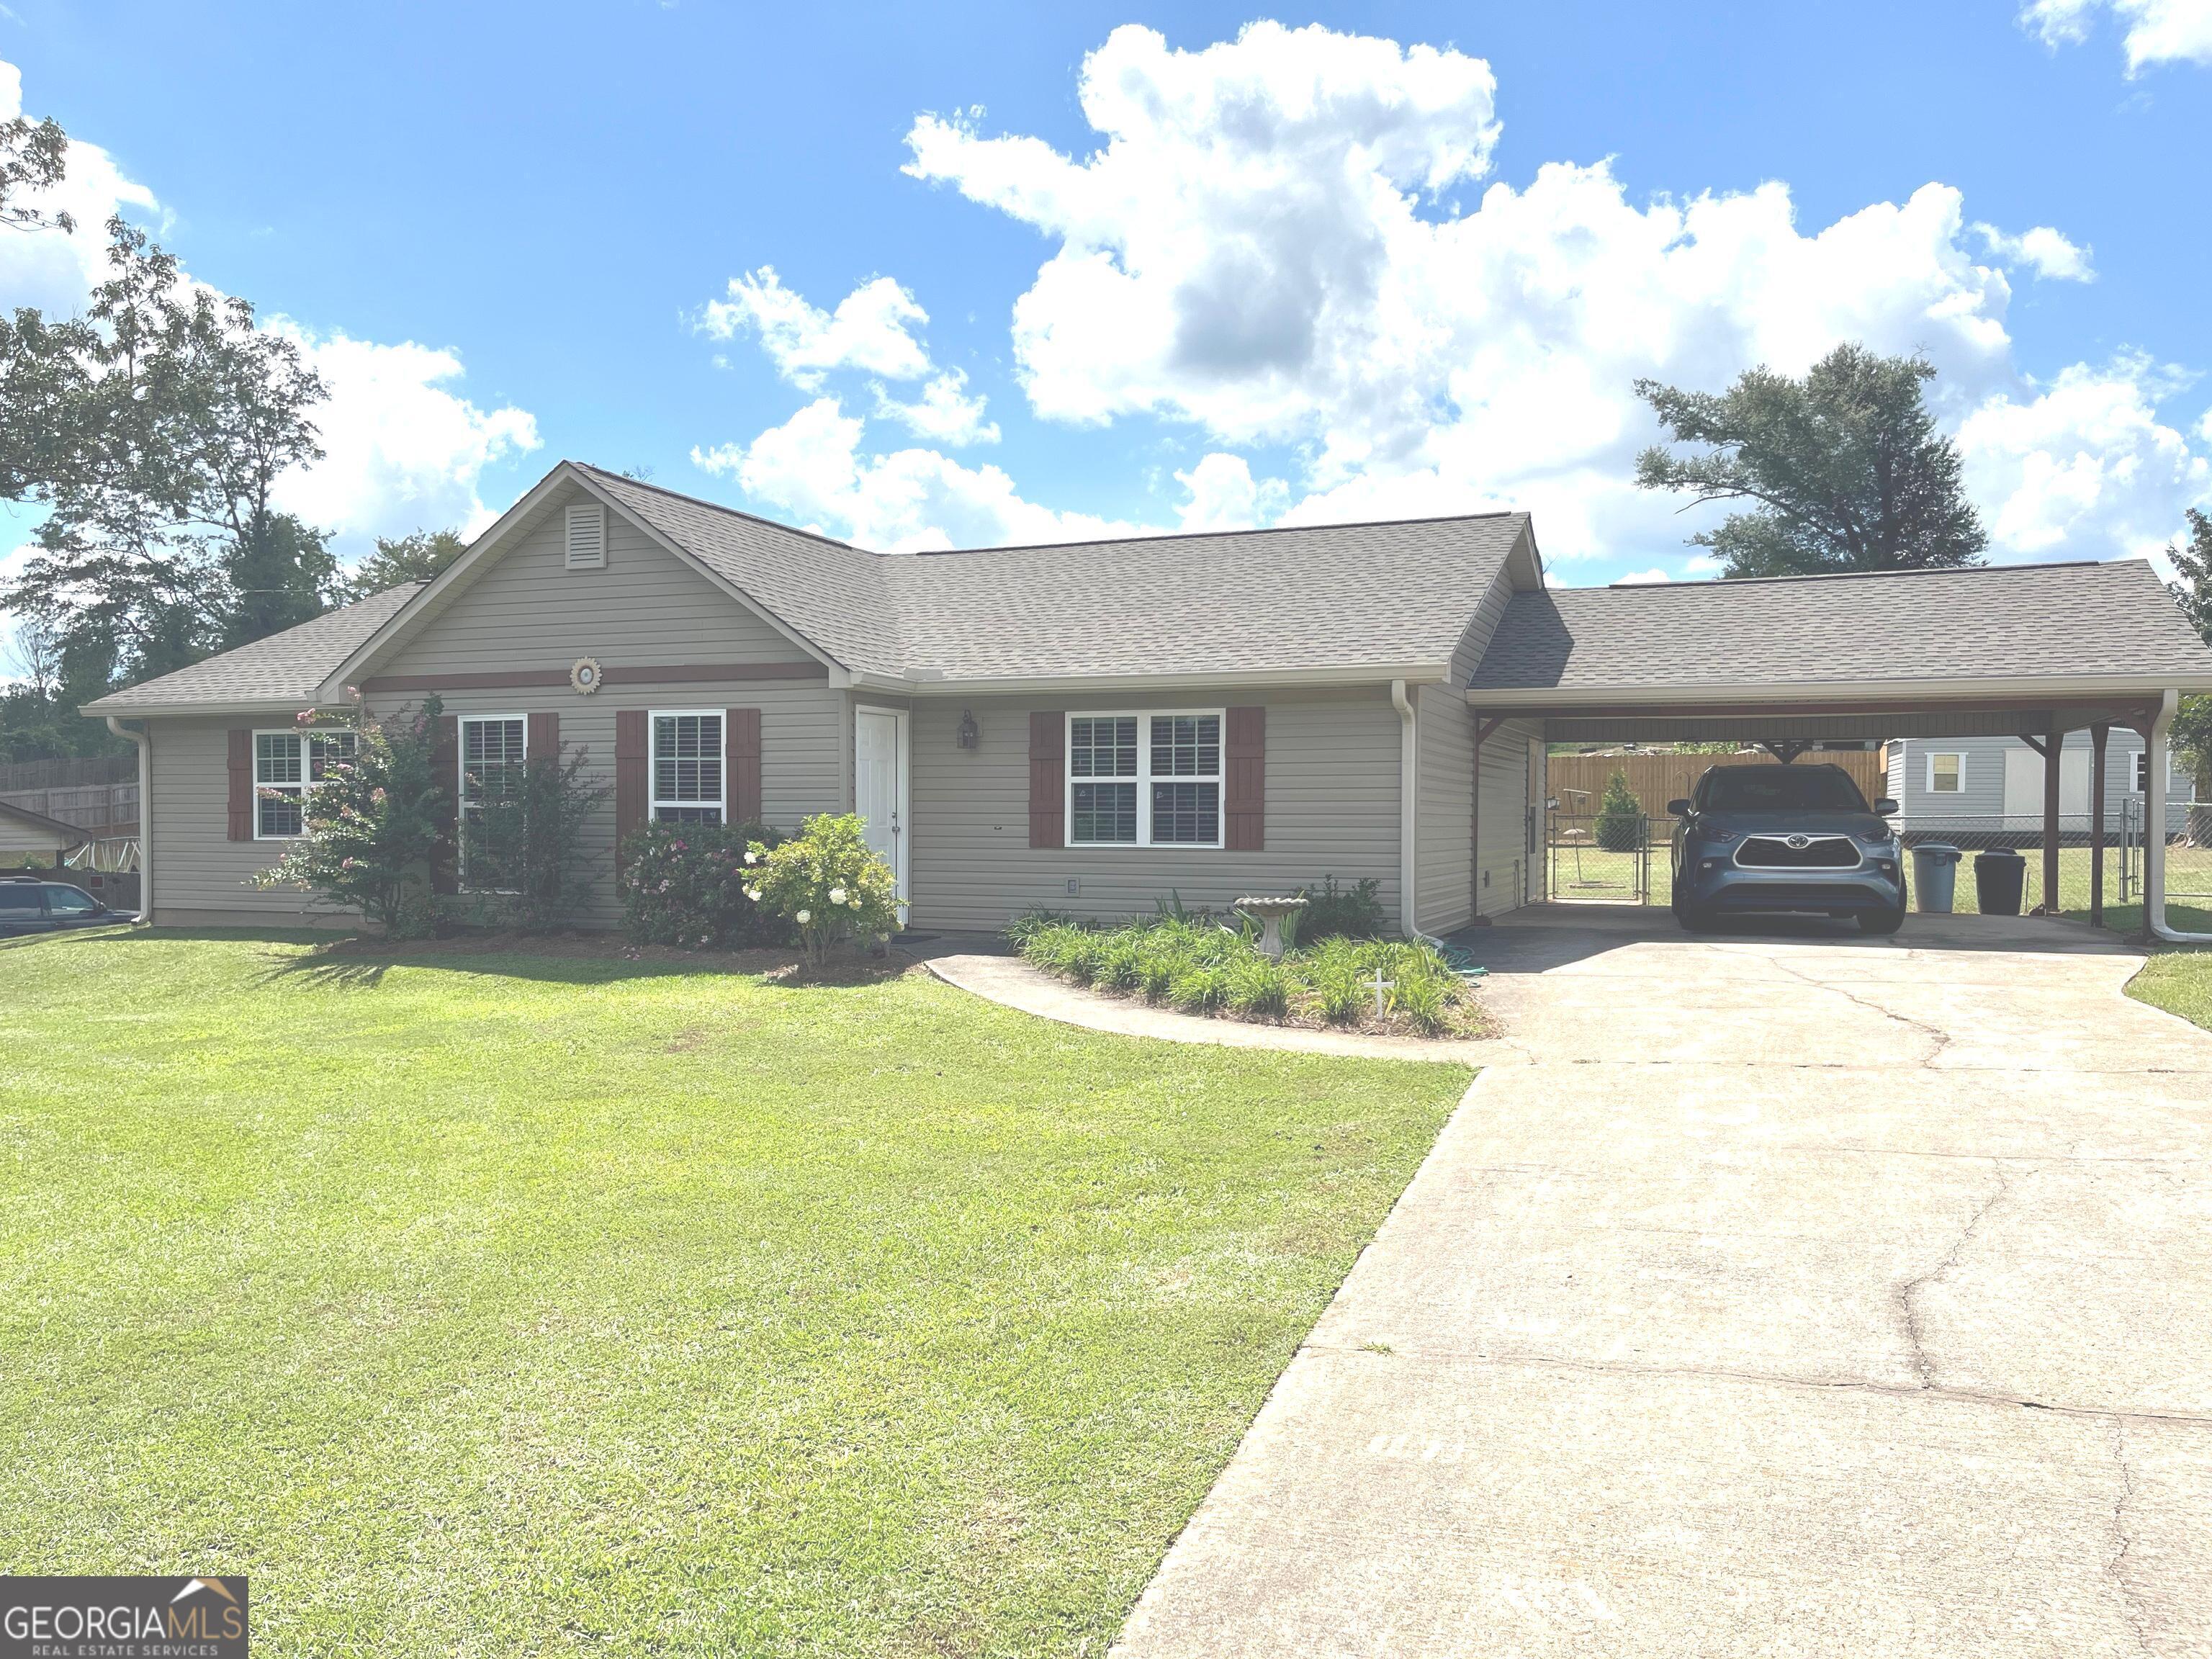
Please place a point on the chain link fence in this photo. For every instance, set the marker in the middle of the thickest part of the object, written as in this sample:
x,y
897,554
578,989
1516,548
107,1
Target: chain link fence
x,y
1590,858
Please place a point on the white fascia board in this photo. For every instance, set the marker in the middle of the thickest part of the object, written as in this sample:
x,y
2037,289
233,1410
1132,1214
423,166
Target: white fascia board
x,y
1908,691
281,709
1070,684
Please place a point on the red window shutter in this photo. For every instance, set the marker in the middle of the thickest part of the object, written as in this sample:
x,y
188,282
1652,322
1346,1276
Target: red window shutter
x,y
541,738
446,771
1048,778
629,773
1245,791
241,783
741,752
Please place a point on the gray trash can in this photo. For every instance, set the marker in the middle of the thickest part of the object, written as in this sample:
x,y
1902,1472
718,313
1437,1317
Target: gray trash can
x,y
1935,874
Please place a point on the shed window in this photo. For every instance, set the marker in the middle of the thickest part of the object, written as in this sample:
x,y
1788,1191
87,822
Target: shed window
x,y
1946,774
1145,779
687,769
286,765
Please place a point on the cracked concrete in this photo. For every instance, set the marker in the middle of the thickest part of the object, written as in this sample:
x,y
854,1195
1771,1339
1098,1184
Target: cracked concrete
x,y
1788,1293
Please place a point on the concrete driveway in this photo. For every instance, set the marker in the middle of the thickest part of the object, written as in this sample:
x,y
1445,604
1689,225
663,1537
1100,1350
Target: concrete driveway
x,y
1783,1294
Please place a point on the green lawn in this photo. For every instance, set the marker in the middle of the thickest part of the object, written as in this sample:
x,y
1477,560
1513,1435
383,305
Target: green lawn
x,y
2179,981
487,1305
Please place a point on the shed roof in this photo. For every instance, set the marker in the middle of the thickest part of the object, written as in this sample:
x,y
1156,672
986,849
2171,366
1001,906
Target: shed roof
x,y
2080,621
63,832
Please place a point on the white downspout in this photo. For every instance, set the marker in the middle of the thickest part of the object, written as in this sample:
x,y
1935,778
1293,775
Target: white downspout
x,y
1409,802
144,741
2154,764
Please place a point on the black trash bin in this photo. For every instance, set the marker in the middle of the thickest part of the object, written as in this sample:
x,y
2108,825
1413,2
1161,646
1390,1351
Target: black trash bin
x,y
2000,878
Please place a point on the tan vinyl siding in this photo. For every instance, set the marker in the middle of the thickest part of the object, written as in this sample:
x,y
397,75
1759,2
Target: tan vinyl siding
x,y
1331,809
1443,850
528,610
1503,856
17,838
200,874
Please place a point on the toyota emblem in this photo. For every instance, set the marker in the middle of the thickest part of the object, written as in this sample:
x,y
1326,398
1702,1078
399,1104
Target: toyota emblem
x,y
1799,843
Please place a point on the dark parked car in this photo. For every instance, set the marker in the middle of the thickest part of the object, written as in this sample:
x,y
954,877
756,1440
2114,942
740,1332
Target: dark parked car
x,y
30,905
1786,838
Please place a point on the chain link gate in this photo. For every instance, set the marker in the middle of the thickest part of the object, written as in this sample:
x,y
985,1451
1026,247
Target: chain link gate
x,y
1598,858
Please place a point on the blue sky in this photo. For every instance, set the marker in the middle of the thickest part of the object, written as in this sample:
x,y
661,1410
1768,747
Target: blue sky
x,y
1215,274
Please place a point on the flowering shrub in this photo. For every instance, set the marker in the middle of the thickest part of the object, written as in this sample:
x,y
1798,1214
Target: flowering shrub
x,y
828,883
372,825
684,884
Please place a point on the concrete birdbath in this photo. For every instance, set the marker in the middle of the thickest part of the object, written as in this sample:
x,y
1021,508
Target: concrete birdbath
x,y
1269,914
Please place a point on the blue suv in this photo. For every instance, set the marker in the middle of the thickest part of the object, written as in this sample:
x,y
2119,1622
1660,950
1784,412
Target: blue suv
x,y
1786,838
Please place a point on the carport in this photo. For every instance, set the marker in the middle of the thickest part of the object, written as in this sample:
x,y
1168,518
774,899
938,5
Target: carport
x,y
2026,651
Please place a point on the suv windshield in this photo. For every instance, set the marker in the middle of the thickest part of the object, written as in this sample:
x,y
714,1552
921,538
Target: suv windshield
x,y
1778,789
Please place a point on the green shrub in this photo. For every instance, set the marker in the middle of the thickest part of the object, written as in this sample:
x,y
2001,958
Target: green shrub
x,y
1259,989
1353,912
1620,826
1422,999
684,884
827,883
1033,920
1199,990
1157,977
1121,962
525,850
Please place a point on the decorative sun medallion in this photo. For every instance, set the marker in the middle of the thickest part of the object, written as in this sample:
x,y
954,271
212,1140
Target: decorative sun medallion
x,y
585,676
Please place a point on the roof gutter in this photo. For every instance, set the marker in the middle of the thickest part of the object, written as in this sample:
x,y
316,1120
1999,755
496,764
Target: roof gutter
x,y
144,742
1907,692
930,684
1409,803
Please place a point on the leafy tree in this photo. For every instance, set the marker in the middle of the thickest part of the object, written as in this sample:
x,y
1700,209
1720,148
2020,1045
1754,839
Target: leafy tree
x,y
371,831
2191,732
33,157
527,848
161,420
1846,466
411,558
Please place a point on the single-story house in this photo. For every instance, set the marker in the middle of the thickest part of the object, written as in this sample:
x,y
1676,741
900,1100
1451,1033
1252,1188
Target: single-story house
x,y
1996,784
25,836
1089,727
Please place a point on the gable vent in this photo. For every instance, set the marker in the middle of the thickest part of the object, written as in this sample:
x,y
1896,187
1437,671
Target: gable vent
x,y
588,537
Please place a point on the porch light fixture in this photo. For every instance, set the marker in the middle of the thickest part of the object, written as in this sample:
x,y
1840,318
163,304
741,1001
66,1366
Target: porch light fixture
x,y
969,734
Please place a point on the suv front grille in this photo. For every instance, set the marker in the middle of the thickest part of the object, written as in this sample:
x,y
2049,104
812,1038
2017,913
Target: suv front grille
x,y
1809,852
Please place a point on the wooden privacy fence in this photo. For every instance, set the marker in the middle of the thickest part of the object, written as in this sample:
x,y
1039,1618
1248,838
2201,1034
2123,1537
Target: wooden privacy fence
x,y
98,809
1658,779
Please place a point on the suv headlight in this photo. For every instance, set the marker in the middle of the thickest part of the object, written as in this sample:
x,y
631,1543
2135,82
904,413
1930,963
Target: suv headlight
x,y
1884,843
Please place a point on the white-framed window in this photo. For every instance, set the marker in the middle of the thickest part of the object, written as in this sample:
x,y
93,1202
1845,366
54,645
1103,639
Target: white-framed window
x,y
686,764
492,753
286,765
2178,785
1946,774
1145,779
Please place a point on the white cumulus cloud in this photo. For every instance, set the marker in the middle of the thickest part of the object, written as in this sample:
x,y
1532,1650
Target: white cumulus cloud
x,y
1220,493
1268,243
910,501
2046,251
944,411
402,450
1645,578
2157,31
872,329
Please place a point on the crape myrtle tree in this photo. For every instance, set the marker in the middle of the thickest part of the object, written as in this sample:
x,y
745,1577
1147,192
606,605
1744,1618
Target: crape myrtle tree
x,y
1843,470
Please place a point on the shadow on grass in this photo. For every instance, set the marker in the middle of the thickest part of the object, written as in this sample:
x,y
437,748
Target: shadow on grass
x,y
350,961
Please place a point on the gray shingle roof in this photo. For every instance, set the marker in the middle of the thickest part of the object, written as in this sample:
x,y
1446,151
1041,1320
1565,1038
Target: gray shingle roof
x,y
286,667
1991,622
1315,597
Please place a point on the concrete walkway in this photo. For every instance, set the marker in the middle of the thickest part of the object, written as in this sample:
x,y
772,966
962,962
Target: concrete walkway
x,y
1795,1293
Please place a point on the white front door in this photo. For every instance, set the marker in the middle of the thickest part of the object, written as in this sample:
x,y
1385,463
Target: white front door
x,y
880,762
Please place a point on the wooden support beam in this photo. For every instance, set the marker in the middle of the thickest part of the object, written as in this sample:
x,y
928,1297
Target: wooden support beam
x,y
2036,744
1483,728
2097,736
2050,748
1786,750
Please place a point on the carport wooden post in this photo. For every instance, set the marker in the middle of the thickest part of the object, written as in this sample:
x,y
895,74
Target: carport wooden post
x,y
2047,746
2097,735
